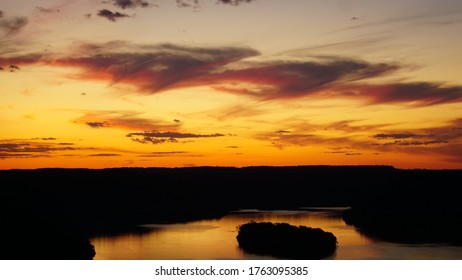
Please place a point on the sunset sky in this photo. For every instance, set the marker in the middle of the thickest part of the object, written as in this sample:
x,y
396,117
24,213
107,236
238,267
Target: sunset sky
x,y
154,83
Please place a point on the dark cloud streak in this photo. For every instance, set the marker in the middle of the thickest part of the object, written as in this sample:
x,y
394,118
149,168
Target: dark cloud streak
x,y
125,4
288,79
234,2
196,3
110,15
421,94
187,3
154,68
156,137
166,154
27,148
105,155
50,147
97,124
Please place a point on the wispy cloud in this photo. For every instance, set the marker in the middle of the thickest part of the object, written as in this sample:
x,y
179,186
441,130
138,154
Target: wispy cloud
x,y
125,120
154,131
32,148
125,4
155,68
47,10
11,26
50,147
448,12
232,112
45,138
444,141
234,2
283,139
354,139
110,15
447,133
187,3
155,137
197,3
97,124
166,154
291,79
418,94
152,68
105,155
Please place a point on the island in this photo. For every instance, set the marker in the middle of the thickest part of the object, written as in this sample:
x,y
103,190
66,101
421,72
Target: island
x,y
282,240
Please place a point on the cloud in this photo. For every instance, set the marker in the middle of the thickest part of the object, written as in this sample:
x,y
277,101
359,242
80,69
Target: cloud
x,y
110,15
409,139
152,69
14,68
444,141
124,4
30,148
47,10
166,154
105,155
40,147
45,138
232,112
418,94
12,26
155,137
14,62
344,150
448,133
161,67
398,136
187,3
419,15
292,79
97,124
234,2
196,3
306,134
124,120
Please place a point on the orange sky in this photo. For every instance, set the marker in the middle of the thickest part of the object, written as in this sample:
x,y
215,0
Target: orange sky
x,y
141,83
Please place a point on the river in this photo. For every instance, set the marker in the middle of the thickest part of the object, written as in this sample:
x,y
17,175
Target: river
x,y
216,239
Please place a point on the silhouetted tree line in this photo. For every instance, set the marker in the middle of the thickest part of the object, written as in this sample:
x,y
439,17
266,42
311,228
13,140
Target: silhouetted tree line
x,y
283,240
28,235
419,206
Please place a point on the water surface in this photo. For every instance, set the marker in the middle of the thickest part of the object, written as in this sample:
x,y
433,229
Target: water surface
x,y
216,239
